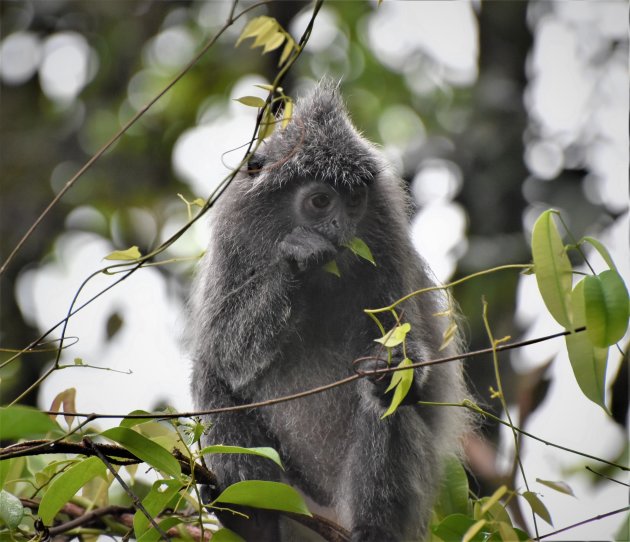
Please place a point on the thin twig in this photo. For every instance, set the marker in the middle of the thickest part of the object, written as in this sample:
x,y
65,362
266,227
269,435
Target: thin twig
x,y
589,520
136,501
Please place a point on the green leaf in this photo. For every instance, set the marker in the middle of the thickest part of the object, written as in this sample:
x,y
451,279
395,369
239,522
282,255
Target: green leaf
x,y
268,453
274,42
453,527
255,27
288,47
453,497
493,499
537,506
473,531
147,450
131,422
267,125
225,535
587,361
401,382
395,336
264,36
332,268
606,306
287,113
132,253
264,494
11,510
358,247
66,485
553,268
152,535
160,495
560,487
623,534
603,251
17,422
251,101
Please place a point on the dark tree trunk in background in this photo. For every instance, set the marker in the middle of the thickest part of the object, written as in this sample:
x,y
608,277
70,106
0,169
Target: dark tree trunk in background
x,y
490,154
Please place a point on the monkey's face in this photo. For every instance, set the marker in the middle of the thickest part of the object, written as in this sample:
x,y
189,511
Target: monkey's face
x,y
334,212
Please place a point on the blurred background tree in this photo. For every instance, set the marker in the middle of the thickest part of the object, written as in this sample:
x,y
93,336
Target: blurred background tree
x,y
492,111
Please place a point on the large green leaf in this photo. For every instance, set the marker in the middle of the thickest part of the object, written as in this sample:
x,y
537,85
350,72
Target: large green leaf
x,y
264,494
144,448
553,268
587,361
66,485
18,422
453,497
606,306
537,506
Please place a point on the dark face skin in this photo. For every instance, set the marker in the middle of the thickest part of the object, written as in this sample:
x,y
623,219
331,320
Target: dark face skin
x,y
333,212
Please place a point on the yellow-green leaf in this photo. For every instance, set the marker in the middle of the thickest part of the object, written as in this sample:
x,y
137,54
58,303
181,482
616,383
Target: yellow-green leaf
x,y
287,113
395,336
274,42
606,306
268,453
553,268
561,487
603,251
401,383
537,506
286,52
358,247
493,499
267,125
251,101
265,35
332,268
66,485
587,361
255,27
473,530
132,253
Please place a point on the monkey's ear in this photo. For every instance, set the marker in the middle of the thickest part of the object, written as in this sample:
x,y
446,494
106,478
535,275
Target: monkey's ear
x,y
255,165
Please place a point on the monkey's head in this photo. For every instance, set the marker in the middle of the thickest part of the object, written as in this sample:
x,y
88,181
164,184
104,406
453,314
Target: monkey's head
x,y
320,164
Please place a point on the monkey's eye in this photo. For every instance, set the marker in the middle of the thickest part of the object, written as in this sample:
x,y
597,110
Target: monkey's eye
x,y
320,201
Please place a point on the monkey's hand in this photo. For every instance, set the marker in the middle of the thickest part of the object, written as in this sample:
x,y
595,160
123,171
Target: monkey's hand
x,y
305,249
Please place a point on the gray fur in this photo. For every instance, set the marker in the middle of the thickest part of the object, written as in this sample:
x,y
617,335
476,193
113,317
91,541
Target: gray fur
x,y
263,328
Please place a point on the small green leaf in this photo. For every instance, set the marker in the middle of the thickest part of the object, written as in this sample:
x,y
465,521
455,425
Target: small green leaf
x,y
147,450
603,251
287,113
251,101
268,453
264,36
132,253
286,52
493,499
623,533
160,495
151,535
606,306
264,494
130,422
358,247
255,27
537,506
11,510
332,268
18,422
274,42
267,125
453,497
66,485
560,487
401,383
553,268
587,361
395,336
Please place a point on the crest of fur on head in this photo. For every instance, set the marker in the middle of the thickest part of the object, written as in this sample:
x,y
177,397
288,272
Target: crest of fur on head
x,y
318,143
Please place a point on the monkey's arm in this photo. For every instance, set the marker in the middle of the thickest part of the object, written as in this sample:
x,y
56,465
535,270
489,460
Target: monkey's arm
x,y
246,314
